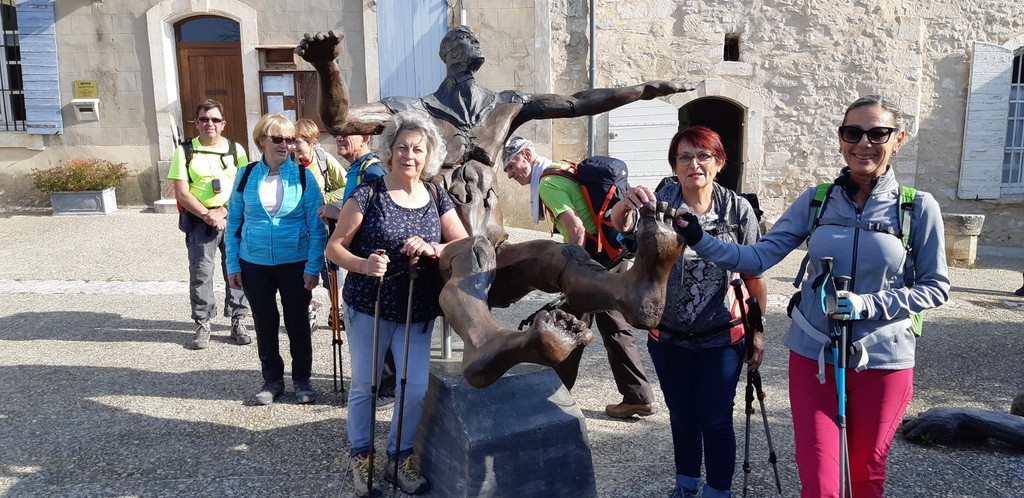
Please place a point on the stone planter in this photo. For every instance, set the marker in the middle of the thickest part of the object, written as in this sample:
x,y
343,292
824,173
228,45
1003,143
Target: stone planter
x,y
85,202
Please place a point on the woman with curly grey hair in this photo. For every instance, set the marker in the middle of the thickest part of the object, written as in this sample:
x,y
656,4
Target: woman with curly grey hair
x,y
404,216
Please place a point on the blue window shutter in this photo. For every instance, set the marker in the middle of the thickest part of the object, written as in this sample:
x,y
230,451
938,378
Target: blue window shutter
x,y
38,41
408,37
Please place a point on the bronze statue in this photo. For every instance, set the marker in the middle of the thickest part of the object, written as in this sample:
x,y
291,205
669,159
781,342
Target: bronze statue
x,y
475,122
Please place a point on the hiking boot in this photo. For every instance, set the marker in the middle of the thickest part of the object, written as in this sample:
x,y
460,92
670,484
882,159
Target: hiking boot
x,y
202,338
304,393
409,478
360,465
270,391
238,332
626,410
684,493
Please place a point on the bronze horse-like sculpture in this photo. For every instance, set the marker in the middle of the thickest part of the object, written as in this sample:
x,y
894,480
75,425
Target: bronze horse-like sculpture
x,y
486,271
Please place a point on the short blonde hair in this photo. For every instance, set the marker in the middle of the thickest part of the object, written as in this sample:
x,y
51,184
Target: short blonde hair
x,y
307,130
272,124
415,121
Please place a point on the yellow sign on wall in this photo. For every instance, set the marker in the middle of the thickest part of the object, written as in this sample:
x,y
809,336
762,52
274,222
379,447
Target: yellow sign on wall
x,y
86,89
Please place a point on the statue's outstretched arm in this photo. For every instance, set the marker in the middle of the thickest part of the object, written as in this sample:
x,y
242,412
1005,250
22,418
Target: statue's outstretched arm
x,y
596,101
334,106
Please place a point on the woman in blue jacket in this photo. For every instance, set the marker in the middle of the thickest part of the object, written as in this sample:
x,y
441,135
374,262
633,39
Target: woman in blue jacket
x,y
275,244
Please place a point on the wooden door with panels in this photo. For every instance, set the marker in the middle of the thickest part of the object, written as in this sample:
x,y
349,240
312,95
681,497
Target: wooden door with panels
x,y
210,67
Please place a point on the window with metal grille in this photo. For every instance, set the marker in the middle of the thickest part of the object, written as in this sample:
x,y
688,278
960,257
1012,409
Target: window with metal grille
x,y
1013,156
12,97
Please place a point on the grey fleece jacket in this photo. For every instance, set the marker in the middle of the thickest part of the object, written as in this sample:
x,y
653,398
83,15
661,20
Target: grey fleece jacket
x,y
874,259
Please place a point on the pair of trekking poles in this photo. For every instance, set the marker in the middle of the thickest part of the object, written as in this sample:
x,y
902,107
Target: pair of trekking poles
x,y
750,317
828,287
403,380
336,343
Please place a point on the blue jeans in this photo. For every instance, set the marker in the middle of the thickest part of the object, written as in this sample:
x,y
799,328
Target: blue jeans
x,y
262,284
699,387
359,327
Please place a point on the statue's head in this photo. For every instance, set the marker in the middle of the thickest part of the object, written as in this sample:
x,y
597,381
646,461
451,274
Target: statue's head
x,y
460,50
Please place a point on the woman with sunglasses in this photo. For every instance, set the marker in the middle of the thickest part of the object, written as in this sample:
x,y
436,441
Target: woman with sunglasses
x,y
859,225
275,245
697,349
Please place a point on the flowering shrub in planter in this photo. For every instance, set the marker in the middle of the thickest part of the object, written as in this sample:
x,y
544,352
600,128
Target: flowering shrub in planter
x,y
81,186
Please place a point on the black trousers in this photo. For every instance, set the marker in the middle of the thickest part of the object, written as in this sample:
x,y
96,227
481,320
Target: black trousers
x,y
262,284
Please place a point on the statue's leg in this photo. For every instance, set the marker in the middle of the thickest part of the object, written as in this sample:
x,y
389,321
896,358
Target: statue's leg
x,y
639,293
490,349
471,266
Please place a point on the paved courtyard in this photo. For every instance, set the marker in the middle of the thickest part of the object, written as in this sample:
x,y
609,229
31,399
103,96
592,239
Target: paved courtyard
x,y
101,398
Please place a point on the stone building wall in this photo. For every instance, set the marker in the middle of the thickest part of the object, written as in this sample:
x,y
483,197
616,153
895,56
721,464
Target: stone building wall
x,y
801,62
806,61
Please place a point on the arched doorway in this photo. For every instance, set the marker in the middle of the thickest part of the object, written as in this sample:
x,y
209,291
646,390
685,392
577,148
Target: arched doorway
x,y
209,53
725,118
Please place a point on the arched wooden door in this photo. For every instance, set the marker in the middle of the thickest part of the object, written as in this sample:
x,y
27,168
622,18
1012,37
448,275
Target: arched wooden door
x,y
210,67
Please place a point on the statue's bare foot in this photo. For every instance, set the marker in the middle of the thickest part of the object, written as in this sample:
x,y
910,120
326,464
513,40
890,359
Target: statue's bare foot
x,y
659,245
549,341
320,48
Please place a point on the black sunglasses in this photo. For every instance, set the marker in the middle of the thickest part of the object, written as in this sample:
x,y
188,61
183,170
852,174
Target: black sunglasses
x,y
205,119
278,140
877,135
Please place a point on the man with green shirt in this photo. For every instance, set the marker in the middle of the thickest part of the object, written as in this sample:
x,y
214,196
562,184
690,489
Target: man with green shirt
x,y
203,177
571,216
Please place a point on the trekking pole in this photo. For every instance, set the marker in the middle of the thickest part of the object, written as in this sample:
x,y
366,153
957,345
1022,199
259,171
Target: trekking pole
x,y
827,291
373,374
840,358
748,341
754,378
405,368
334,318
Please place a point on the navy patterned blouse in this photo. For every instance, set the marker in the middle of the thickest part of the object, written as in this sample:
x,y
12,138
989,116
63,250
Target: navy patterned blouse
x,y
387,225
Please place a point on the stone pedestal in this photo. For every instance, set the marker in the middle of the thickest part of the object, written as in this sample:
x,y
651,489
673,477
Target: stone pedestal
x,y
523,436
167,203
962,232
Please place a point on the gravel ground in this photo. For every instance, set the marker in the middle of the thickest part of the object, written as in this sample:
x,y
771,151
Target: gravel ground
x,y
103,399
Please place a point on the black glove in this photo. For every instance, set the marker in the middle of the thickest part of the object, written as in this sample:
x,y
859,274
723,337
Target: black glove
x,y
692,232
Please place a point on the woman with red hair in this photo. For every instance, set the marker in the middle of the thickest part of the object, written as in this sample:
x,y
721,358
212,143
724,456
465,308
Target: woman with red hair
x,y
697,349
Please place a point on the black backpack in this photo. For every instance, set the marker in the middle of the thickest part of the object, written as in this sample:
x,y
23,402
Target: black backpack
x,y
604,181
246,171
190,152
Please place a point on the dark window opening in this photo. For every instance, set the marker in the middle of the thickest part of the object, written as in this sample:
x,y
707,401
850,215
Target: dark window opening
x,y
732,47
12,98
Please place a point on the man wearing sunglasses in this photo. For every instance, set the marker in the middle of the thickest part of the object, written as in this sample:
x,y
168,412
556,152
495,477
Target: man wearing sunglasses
x,y
203,171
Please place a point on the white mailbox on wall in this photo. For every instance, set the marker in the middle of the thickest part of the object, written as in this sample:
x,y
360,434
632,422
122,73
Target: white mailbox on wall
x,y
86,109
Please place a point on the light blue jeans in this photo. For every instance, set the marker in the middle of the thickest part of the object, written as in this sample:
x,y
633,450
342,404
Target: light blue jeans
x,y
359,328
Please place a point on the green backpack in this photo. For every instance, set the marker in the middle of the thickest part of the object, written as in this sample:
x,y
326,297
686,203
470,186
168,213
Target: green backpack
x,y
907,196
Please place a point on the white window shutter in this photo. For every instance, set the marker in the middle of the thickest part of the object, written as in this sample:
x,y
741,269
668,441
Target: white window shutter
x,y
985,124
38,41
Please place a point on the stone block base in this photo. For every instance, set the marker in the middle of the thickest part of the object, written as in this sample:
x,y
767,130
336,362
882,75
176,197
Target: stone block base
x,y
523,436
962,232
166,206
